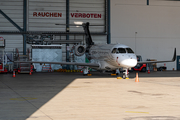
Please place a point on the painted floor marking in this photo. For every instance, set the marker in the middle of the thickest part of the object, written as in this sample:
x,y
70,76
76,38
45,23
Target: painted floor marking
x,y
136,112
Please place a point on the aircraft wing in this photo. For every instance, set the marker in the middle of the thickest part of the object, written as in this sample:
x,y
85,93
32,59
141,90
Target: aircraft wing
x,y
173,59
61,63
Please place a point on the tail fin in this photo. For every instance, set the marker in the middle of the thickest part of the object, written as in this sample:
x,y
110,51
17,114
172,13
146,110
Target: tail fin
x,y
89,41
174,57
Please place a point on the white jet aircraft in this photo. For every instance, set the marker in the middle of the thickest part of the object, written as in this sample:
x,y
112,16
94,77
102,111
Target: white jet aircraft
x,y
109,57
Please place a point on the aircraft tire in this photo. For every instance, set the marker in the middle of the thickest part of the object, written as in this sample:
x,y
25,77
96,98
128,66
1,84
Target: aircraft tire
x,y
143,69
124,76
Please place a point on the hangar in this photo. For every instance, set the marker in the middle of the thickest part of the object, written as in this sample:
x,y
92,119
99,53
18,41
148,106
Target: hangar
x,y
51,28
150,28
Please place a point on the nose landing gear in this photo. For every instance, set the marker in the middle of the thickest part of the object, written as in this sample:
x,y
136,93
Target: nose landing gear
x,y
126,74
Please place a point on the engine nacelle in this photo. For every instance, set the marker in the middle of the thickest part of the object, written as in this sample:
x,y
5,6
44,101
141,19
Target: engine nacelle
x,y
79,50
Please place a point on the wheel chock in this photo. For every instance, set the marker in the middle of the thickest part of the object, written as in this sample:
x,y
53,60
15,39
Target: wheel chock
x,y
126,78
113,74
119,77
89,74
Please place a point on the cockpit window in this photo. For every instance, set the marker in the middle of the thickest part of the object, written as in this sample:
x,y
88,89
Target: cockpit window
x,y
114,50
121,50
129,50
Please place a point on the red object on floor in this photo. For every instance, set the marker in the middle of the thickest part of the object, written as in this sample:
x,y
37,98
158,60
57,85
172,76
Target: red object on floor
x,y
1,67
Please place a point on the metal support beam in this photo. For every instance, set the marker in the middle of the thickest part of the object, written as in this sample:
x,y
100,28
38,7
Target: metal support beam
x,y
147,2
10,20
67,30
24,25
105,18
109,21
48,33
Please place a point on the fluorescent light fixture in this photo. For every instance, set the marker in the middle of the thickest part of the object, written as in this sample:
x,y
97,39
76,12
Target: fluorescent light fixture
x,y
78,22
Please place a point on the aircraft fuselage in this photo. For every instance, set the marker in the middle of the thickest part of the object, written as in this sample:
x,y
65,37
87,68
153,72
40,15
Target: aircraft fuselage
x,y
112,56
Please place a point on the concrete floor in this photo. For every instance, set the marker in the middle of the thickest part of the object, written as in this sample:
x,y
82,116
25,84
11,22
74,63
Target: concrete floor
x,y
71,96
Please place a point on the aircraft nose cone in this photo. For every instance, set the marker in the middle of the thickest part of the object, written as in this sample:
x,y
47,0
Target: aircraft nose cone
x,y
129,63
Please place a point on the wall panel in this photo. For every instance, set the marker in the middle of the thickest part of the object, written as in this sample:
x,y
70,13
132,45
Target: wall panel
x,y
48,14
151,30
13,9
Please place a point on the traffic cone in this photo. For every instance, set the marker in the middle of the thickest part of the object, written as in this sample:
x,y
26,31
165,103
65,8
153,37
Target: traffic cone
x,y
148,71
14,75
137,78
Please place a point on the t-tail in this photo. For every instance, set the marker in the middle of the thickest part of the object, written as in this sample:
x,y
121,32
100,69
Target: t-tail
x,y
89,41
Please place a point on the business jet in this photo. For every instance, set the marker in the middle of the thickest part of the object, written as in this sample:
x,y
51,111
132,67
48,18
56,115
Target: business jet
x,y
111,57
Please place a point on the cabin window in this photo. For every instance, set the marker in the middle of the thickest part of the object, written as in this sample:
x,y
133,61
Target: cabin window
x,y
114,50
129,50
121,50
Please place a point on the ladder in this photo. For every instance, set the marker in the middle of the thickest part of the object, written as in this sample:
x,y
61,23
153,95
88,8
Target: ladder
x,y
22,67
47,67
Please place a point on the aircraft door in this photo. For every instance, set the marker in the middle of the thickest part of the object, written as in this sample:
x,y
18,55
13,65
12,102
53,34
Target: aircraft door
x,y
178,62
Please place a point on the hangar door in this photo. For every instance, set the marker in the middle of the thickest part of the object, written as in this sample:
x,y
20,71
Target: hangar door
x,y
45,14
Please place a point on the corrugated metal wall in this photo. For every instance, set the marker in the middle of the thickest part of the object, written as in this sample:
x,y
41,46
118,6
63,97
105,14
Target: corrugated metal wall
x,y
14,9
44,14
92,11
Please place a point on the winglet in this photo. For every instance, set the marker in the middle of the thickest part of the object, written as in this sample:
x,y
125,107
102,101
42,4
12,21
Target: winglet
x,y
174,57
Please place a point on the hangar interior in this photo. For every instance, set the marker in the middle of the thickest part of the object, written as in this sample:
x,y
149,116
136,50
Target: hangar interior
x,y
149,27
53,16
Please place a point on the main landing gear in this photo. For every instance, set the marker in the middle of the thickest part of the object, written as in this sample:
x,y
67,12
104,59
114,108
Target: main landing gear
x,y
86,71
